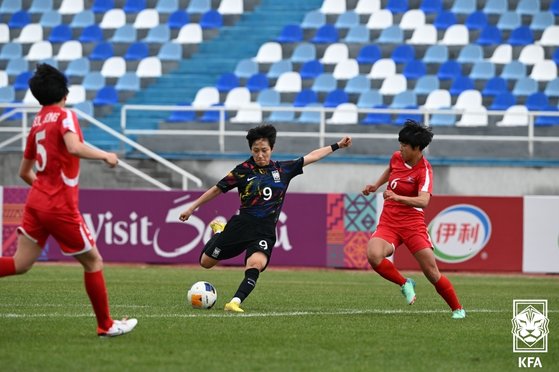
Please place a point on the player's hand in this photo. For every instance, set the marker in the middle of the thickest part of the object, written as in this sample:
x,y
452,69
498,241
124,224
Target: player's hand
x,y
369,189
186,215
344,142
390,195
111,159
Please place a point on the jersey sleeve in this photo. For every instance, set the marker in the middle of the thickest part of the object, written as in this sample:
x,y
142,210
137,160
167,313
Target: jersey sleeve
x,y
69,123
30,147
292,168
426,179
230,181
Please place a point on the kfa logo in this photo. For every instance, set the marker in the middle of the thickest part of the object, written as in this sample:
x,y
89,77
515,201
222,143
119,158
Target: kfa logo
x,y
530,327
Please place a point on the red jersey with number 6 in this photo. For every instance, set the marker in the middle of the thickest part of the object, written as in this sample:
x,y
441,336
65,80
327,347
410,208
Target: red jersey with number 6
x,y
406,180
56,188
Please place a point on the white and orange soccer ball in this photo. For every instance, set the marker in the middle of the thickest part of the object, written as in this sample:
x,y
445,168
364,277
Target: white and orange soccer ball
x,y
202,295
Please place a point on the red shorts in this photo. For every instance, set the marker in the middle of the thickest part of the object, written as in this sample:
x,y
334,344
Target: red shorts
x,y
415,237
69,230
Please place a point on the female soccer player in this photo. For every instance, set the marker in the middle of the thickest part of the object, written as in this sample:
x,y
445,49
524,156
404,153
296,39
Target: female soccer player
x,y
410,183
262,184
54,147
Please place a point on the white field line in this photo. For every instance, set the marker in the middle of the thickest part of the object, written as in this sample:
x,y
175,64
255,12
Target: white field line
x,y
210,314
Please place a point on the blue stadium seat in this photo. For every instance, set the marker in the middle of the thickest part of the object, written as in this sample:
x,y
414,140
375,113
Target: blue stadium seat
x,y
436,54
124,34
212,19
86,107
212,116
358,84
470,53
431,6
369,99
268,98
426,84
554,7
257,82
134,6
357,34
77,67
495,6
552,88
7,94
377,118
369,54
50,19
303,52
10,51
83,19
136,51
10,6
548,120
555,56
290,34
348,20
60,34
509,21
477,20
521,36
159,34
464,6
170,52
542,20
503,101
22,80
397,6
525,86
324,83
314,19
403,54
40,6
482,70
444,20
414,69
181,116
449,70
528,7
199,6
311,69
177,19
310,117
514,70
91,34
106,96
93,81
245,68
16,66
305,97
101,52
102,6
494,86
537,102
326,34
391,35
19,19
226,82
443,120
129,81
278,68
335,98
405,99
402,118
167,6
460,84
489,35
282,116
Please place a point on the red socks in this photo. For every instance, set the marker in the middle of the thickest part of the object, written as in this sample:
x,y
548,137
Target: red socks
x,y
445,289
7,266
97,292
388,271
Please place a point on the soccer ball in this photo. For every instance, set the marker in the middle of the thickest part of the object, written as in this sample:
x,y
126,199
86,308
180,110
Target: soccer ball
x,y
202,295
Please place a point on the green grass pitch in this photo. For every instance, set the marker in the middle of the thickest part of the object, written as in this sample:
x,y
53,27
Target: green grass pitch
x,y
295,320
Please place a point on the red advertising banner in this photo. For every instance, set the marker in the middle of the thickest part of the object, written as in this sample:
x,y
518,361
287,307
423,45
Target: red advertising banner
x,y
472,234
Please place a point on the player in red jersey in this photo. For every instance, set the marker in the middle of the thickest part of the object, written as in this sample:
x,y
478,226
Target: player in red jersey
x,y
54,148
410,184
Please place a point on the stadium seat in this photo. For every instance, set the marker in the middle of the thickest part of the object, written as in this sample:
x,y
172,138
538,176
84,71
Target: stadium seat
x,y
528,7
436,54
333,7
114,67
444,20
542,20
357,84
382,68
4,33
412,19
456,35
397,6
290,34
525,86
439,98
269,52
369,54
167,6
237,97
270,98
516,115
424,35
503,101
289,82
19,19
212,19
16,66
509,20
146,18
555,56
198,6
234,7
311,69
250,114
489,35
377,118
310,117
282,116
113,19
149,67
278,68
545,70
482,70
326,34
414,70
179,116
10,51
554,7
345,113
106,96
84,106
514,70
246,68
494,87
391,35
257,82
521,36
347,20
190,33
102,6
22,80
76,94
39,51
468,99
357,34
91,34
303,52
393,85
40,6
324,83
404,100
304,98
101,52
440,119
83,19
346,70
502,54
134,6
380,20
550,36
531,54
461,84
71,7
477,117
431,6
449,70
206,97
78,67
552,88
158,35
31,33
548,120
367,6
170,51
476,20
212,116
495,6
403,54
370,98
136,51
7,94
314,19
124,34
93,81
426,84
537,102
335,53
178,19
60,34
471,53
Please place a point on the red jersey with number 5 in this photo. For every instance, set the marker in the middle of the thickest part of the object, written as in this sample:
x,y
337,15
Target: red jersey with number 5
x,y
406,180
56,188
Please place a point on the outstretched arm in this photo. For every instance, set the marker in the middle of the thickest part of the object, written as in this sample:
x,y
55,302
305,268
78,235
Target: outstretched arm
x,y
381,181
203,199
322,152
81,150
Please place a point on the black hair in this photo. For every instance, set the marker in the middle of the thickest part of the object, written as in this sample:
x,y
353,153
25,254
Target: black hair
x,y
415,134
48,85
263,131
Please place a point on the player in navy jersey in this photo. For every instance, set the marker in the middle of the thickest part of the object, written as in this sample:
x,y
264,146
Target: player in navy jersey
x,y
410,184
262,184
